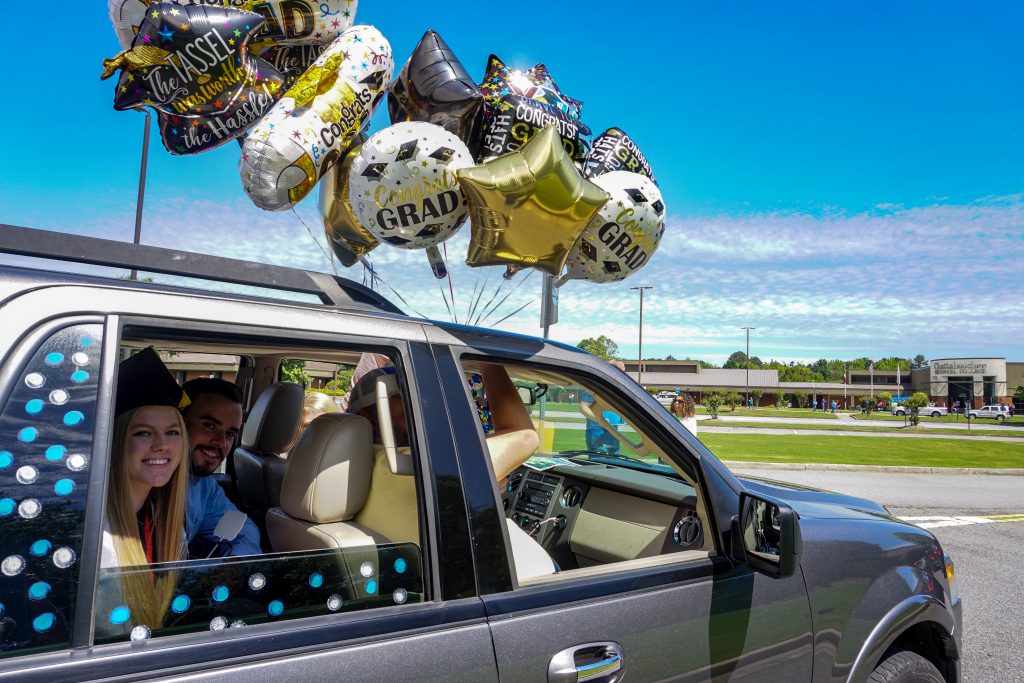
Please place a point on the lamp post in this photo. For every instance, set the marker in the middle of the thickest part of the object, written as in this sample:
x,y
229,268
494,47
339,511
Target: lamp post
x,y
142,186
640,344
748,329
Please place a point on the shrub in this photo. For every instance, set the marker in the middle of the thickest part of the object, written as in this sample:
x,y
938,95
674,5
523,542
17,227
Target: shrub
x,y
732,399
713,402
915,403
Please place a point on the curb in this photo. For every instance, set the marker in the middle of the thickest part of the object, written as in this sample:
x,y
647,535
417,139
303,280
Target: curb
x,y
892,469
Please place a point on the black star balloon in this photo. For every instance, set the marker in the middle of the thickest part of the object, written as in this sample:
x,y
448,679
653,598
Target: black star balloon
x,y
433,86
188,60
613,150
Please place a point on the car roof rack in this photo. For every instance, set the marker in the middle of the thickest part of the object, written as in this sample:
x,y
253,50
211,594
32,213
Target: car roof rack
x,y
330,289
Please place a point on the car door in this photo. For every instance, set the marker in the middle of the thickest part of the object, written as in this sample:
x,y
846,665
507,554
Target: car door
x,y
687,616
58,377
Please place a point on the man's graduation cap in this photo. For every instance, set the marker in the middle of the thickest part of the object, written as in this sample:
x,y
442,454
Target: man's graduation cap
x,y
144,380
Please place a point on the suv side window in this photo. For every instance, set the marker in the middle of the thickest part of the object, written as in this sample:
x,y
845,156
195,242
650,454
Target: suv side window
x,y
47,427
598,494
325,554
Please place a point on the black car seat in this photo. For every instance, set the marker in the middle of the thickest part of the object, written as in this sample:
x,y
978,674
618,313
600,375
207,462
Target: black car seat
x,y
260,462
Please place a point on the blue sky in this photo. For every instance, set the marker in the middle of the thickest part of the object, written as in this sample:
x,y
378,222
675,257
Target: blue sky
x,y
846,177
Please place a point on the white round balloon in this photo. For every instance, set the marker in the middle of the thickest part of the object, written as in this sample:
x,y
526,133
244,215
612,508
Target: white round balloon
x,y
403,186
623,235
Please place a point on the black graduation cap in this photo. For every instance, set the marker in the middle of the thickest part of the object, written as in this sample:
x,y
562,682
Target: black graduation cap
x,y
144,380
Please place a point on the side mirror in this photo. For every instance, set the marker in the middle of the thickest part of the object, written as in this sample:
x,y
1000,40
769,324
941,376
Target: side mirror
x,y
770,532
526,394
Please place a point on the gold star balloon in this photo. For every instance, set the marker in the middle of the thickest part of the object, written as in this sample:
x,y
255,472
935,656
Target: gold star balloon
x,y
528,207
349,240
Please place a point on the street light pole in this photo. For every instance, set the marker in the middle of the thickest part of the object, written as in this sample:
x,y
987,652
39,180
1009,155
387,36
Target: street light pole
x,y
640,344
142,186
748,329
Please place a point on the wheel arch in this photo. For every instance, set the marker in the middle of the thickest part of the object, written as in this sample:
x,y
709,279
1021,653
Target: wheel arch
x,y
919,624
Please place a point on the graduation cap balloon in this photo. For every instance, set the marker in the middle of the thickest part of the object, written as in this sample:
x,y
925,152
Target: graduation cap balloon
x,y
435,87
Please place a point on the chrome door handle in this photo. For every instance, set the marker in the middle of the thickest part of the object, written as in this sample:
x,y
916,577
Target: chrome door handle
x,y
588,663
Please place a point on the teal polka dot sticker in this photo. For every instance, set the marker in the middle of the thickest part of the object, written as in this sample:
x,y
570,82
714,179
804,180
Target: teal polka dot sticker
x,y
5,459
34,406
73,418
40,548
79,376
180,604
401,565
28,435
38,590
64,487
54,358
56,453
85,342
7,506
316,579
220,593
120,615
371,587
275,608
44,622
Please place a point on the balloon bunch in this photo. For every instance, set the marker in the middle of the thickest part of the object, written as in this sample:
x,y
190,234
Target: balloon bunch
x,y
511,154
297,84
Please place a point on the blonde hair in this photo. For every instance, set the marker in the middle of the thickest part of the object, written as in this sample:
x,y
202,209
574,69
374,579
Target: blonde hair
x,y
317,403
683,406
146,596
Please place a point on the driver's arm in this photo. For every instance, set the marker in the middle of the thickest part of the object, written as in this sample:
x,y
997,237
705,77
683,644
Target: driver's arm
x,y
514,439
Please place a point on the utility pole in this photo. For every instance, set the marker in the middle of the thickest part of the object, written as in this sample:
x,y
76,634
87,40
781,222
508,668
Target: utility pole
x,y
142,186
748,329
640,344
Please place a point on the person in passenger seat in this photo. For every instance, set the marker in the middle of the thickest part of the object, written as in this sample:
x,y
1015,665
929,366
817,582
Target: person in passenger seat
x,y
213,419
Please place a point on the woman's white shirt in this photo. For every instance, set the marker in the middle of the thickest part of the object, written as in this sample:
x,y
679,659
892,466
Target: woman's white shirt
x,y
691,424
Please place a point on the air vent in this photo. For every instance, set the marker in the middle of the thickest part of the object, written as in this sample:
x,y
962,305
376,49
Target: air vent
x,y
688,532
571,497
513,482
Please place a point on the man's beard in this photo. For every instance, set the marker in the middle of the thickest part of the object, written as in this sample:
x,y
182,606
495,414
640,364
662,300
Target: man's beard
x,y
204,469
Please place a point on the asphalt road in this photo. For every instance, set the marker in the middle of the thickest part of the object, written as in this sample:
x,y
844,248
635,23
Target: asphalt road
x,y
987,552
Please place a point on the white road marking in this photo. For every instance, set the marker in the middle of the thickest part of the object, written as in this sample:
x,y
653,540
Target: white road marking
x,y
935,522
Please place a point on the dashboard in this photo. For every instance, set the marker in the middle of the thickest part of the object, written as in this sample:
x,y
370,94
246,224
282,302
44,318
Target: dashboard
x,y
591,514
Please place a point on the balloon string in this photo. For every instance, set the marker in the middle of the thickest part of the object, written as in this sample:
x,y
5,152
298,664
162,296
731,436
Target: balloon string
x,y
476,286
528,303
478,294
497,291
498,305
449,271
327,256
444,297
377,278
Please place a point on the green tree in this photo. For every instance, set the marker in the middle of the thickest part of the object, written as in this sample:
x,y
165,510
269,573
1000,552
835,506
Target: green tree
x,y
919,362
732,399
756,394
712,402
915,403
602,347
886,398
294,370
737,359
705,365
780,400
801,398
798,373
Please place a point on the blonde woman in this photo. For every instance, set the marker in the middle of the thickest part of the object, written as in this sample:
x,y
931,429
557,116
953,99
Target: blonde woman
x,y
685,410
315,404
145,513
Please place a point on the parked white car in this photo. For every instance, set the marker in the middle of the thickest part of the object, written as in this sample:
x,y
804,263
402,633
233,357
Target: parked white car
x,y
927,411
665,398
998,411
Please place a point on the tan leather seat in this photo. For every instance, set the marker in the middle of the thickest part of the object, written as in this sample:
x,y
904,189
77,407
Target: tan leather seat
x,y
269,432
325,486
391,507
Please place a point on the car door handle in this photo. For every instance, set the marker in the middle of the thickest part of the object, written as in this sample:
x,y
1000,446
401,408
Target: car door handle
x,y
588,663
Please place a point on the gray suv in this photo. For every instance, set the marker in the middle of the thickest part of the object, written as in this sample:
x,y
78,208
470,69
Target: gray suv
x,y
644,559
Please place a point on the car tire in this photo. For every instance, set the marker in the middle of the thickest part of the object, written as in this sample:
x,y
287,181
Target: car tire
x,y
1000,417
936,414
906,667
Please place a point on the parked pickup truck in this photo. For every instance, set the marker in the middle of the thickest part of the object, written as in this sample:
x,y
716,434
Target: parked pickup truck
x,y
927,411
998,411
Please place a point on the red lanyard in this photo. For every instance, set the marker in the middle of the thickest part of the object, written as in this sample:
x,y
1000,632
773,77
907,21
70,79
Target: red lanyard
x,y
147,534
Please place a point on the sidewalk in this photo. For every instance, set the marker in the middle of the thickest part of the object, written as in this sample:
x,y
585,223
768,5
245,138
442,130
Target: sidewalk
x,y
825,467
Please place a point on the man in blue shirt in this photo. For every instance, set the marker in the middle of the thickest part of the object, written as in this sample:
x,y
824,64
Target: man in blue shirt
x,y
213,420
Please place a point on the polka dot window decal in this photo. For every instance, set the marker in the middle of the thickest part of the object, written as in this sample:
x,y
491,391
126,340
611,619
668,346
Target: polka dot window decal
x,y
180,604
257,581
120,614
43,488
366,569
220,593
316,579
140,632
401,565
275,608
218,624
371,587
335,602
400,596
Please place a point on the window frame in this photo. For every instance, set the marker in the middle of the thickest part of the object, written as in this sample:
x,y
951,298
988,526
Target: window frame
x,y
672,442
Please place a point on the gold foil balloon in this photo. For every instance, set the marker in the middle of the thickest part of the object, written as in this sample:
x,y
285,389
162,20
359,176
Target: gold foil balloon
x,y
309,129
349,240
622,237
528,207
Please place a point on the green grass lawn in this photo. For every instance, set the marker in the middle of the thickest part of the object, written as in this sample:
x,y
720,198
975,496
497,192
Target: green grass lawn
x,y
1016,420
843,450
771,412
846,427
